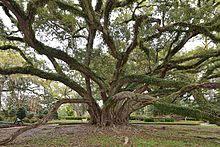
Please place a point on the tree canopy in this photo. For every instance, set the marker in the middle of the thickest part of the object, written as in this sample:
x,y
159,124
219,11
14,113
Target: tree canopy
x,y
125,53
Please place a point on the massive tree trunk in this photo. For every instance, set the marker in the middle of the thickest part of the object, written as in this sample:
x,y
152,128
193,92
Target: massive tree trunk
x,y
94,112
116,110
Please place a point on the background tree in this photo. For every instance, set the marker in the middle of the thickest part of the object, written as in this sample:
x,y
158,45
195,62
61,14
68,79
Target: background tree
x,y
21,114
127,54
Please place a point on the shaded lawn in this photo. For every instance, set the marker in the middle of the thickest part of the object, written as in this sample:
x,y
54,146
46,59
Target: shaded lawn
x,y
68,122
134,135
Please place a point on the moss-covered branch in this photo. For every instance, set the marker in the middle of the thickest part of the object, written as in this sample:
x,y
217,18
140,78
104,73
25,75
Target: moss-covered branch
x,y
167,108
208,54
190,88
211,69
26,28
69,7
201,29
45,75
216,75
150,80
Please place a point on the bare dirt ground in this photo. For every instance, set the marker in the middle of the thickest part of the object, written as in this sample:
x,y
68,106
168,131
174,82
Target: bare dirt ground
x,y
135,135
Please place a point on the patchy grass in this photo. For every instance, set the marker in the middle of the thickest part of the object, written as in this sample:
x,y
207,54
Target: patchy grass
x,y
165,143
64,121
168,123
68,122
45,141
163,136
104,140
135,135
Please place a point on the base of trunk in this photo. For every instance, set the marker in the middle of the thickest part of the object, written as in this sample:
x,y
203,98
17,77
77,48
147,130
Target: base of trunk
x,y
118,109
110,120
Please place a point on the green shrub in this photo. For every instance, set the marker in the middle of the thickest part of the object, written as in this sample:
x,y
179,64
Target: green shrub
x,y
1,118
12,112
151,119
132,118
75,117
148,119
5,113
26,120
10,119
169,119
160,120
21,113
34,119
141,118
55,115
43,111
30,115
40,116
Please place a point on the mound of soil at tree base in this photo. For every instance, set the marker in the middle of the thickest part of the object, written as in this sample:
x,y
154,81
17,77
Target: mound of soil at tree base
x,y
78,132
85,135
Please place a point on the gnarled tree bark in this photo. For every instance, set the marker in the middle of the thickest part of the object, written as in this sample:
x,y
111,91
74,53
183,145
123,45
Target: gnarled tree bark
x,y
117,110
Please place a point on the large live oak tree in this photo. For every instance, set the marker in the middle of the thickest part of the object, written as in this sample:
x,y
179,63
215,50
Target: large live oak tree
x,y
130,51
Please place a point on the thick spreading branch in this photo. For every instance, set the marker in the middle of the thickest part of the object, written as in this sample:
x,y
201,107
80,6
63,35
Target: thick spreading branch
x,y
25,27
217,75
199,59
71,8
45,75
134,42
134,100
201,29
124,3
192,66
167,108
73,63
189,88
109,5
56,65
121,62
124,57
207,54
173,51
149,80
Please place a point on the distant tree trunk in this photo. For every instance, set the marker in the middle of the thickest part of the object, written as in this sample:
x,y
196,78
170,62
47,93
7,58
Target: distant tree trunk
x,y
2,81
1,88
79,109
95,113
